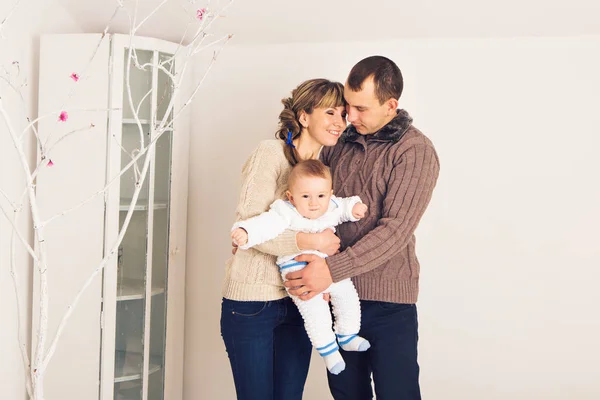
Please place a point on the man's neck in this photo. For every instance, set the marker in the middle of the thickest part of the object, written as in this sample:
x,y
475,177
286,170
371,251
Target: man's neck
x,y
387,121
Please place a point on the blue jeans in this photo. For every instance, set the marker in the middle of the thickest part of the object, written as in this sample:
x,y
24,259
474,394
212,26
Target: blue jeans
x,y
268,348
392,330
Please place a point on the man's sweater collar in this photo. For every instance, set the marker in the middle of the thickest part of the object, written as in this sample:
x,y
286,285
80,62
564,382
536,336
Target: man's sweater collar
x,y
393,131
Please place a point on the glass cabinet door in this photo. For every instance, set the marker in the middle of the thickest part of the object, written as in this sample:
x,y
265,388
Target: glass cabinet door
x,y
143,255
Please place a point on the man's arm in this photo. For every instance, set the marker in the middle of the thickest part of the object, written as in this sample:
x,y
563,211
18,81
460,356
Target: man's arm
x,y
410,188
325,242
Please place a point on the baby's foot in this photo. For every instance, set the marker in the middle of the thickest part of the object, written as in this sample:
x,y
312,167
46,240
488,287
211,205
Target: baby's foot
x,y
353,342
333,359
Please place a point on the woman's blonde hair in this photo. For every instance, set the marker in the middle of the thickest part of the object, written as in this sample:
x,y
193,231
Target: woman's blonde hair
x,y
311,94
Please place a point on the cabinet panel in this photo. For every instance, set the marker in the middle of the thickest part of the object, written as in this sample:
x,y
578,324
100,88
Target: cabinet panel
x,y
140,324
140,81
125,340
75,241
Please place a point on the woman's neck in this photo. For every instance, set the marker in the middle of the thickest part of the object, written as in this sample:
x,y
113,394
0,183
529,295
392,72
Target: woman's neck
x,y
307,147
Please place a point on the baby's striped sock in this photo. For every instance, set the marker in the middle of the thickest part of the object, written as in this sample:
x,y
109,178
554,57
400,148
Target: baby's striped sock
x,y
333,359
353,342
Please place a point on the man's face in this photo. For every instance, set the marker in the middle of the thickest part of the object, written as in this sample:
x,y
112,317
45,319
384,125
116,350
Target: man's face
x,y
365,112
310,196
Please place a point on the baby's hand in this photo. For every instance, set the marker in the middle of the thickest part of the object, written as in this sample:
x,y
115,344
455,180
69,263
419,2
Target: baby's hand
x,y
359,210
239,236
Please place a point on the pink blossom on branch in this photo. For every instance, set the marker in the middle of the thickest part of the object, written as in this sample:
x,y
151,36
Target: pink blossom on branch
x,y
63,116
200,13
50,163
74,76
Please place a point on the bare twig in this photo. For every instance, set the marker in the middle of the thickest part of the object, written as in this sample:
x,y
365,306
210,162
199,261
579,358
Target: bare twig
x,y
18,233
36,365
20,328
10,13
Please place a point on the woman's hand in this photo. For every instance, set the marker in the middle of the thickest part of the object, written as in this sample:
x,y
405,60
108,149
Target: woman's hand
x,y
325,242
329,242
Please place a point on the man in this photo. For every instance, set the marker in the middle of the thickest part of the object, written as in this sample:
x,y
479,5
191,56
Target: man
x,y
393,167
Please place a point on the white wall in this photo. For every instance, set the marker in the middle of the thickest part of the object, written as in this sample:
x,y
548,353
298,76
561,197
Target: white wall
x,y
20,43
509,246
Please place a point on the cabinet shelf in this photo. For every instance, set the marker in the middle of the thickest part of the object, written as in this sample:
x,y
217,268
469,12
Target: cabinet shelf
x,y
132,121
120,396
128,366
132,396
133,289
142,206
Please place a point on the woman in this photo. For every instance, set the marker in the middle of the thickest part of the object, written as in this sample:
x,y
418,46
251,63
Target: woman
x,y
263,331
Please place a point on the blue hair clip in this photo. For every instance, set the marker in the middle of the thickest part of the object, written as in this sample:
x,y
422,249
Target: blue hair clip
x,y
289,140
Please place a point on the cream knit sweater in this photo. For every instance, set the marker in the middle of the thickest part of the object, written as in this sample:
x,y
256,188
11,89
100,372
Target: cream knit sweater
x,y
252,275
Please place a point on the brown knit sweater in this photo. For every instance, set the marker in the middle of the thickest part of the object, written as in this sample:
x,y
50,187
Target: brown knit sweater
x,y
394,172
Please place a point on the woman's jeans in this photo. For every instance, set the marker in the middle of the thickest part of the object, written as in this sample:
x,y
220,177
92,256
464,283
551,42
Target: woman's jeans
x,y
268,348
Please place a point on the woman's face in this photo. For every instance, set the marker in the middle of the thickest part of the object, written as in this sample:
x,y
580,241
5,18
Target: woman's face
x,y
325,125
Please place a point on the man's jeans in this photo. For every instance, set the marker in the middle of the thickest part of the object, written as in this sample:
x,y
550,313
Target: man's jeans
x,y
392,330
268,348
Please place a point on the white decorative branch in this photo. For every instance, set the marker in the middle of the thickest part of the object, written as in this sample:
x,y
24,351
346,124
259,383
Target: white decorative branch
x,y
41,263
138,26
99,268
20,328
29,249
22,100
12,204
36,365
10,13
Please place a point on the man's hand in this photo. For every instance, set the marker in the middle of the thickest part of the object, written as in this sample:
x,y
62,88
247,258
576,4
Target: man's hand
x,y
359,210
311,280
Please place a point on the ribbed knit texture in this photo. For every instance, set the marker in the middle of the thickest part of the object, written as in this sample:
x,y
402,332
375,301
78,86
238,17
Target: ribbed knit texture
x,y
252,275
394,172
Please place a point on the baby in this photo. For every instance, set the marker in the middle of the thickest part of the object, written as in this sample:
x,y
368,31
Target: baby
x,y
312,208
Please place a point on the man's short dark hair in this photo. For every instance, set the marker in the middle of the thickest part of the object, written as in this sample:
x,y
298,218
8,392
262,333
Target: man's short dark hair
x,y
386,77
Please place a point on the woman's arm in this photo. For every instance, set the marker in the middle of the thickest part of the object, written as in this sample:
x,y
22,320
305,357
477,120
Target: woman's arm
x,y
325,242
259,189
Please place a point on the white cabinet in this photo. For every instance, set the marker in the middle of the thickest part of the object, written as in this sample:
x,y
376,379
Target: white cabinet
x,y
125,337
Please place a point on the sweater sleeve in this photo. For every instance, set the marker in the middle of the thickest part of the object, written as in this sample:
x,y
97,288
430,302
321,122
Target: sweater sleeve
x,y
409,191
325,154
259,189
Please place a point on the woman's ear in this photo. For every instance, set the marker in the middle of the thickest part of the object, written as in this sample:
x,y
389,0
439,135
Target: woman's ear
x,y
303,118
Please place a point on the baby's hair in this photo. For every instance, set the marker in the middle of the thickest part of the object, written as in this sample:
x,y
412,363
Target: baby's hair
x,y
309,169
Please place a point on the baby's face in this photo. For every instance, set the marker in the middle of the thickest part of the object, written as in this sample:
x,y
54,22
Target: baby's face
x,y
310,196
